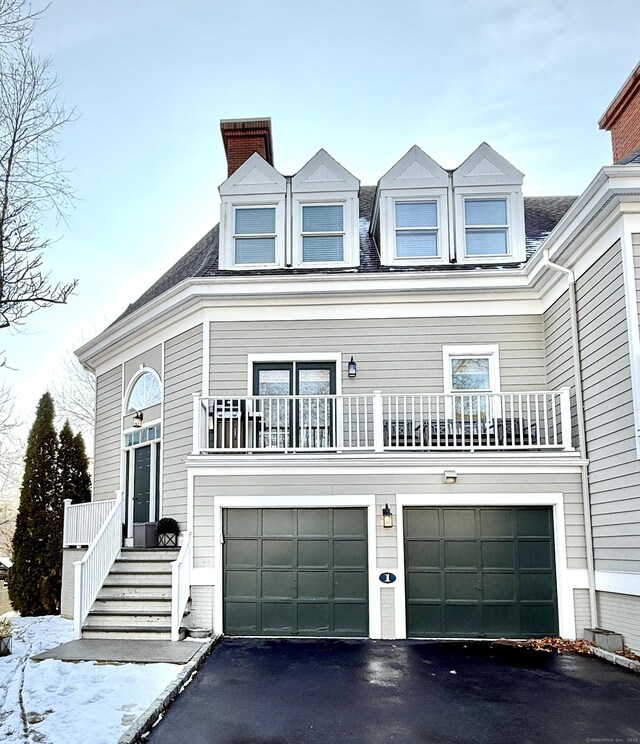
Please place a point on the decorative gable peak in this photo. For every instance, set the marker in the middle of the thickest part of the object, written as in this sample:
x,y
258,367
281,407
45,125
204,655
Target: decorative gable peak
x,y
254,176
486,167
414,170
324,173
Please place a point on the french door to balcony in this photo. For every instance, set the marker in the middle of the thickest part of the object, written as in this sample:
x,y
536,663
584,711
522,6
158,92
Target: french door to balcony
x,y
295,408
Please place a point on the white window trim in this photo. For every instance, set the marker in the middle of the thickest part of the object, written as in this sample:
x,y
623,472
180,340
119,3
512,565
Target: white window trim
x,y
436,229
330,358
472,351
388,200
333,233
228,233
515,224
127,394
350,231
255,236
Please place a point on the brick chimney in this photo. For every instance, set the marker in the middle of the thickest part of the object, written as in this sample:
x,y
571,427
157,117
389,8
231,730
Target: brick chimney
x,y
243,137
622,119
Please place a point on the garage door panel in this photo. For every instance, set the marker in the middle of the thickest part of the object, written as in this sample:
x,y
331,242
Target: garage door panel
x,y
349,522
242,523
535,554
313,553
349,584
277,584
314,584
241,584
347,616
458,554
500,586
461,585
287,573
277,522
485,572
424,585
533,523
496,523
423,554
497,554
242,553
459,523
277,617
537,587
277,553
349,553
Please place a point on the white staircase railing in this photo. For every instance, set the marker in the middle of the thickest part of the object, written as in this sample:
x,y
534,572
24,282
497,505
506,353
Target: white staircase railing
x,y
82,522
94,568
181,584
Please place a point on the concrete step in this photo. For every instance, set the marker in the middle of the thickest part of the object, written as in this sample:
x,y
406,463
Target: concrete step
x,y
153,554
140,620
141,566
115,589
161,633
124,578
120,604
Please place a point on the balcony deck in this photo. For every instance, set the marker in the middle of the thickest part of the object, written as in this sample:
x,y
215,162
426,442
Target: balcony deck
x,y
532,421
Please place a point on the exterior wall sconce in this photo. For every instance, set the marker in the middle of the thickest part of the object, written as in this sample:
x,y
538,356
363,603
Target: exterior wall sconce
x,y
387,516
138,418
449,476
352,368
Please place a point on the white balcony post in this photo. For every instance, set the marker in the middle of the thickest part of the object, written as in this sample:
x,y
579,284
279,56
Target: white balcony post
x,y
77,600
67,504
196,425
565,418
378,422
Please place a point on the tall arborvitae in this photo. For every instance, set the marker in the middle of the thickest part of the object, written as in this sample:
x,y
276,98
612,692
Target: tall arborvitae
x,y
81,490
38,515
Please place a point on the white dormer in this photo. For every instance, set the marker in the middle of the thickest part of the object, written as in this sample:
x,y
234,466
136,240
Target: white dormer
x,y
252,217
325,214
411,215
489,209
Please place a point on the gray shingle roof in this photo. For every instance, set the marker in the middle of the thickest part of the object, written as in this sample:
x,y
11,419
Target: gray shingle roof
x,y
633,158
541,215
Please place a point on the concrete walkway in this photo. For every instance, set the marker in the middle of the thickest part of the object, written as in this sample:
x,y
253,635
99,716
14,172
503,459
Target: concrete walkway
x,y
137,652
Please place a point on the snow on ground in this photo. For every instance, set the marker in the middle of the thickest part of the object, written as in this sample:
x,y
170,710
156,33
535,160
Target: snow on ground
x,y
61,702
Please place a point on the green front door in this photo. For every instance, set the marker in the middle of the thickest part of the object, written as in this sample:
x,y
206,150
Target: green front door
x,y
141,483
295,572
480,572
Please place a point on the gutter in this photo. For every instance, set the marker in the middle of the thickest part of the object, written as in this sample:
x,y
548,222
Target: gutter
x,y
582,437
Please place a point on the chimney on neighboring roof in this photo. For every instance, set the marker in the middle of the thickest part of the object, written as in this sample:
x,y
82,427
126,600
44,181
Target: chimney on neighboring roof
x,y
243,137
622,119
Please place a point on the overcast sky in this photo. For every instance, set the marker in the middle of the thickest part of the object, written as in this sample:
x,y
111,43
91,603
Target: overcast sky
x,y
150,80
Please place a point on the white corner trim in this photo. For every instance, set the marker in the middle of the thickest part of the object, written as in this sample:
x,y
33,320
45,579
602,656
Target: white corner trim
x,y
618,582
633,327
206,352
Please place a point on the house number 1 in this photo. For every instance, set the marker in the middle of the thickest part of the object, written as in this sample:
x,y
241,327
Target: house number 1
x,y
387,578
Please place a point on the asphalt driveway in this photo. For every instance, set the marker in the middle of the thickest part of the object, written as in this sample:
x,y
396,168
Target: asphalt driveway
x,y
254,691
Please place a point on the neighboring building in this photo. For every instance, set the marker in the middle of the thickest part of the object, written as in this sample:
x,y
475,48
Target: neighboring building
x,y
429,379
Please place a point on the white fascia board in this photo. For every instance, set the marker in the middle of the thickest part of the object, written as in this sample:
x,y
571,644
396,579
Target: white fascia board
x,y
618,582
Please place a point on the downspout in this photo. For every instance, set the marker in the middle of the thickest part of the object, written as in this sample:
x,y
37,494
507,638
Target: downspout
x,y
582,437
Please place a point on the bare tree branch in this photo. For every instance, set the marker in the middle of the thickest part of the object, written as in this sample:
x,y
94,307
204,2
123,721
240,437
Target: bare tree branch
x,y
33,183
75,395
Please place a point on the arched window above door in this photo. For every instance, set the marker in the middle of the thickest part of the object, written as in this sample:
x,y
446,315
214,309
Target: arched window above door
x,y
146,392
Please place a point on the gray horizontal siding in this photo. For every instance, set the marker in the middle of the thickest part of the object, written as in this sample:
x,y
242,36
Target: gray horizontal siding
x,y
394,355
108,446
385,486
621,613
182,378
614,470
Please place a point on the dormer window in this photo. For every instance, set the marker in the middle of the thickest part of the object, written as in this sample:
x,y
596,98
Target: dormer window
x,y
486,227
255,235
416,229
322,233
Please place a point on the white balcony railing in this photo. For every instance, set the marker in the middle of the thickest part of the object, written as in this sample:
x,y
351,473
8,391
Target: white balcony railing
x,y
539,420
83,521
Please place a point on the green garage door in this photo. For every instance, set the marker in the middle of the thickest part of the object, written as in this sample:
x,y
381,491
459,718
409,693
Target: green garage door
x,y
480,572
295,572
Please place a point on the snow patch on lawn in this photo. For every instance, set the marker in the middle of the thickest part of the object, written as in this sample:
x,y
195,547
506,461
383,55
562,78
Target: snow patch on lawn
x,y
59,702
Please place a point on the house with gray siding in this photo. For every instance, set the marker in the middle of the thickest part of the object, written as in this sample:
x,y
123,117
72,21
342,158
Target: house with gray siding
x,y
403,410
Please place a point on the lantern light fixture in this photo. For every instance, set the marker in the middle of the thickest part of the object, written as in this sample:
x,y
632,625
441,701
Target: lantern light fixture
x,y
352,368
138,418
387,516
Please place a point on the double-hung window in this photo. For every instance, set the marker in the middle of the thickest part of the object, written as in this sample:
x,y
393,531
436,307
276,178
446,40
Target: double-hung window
x,y
486,227
471,377
416,229
322,233
254,235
